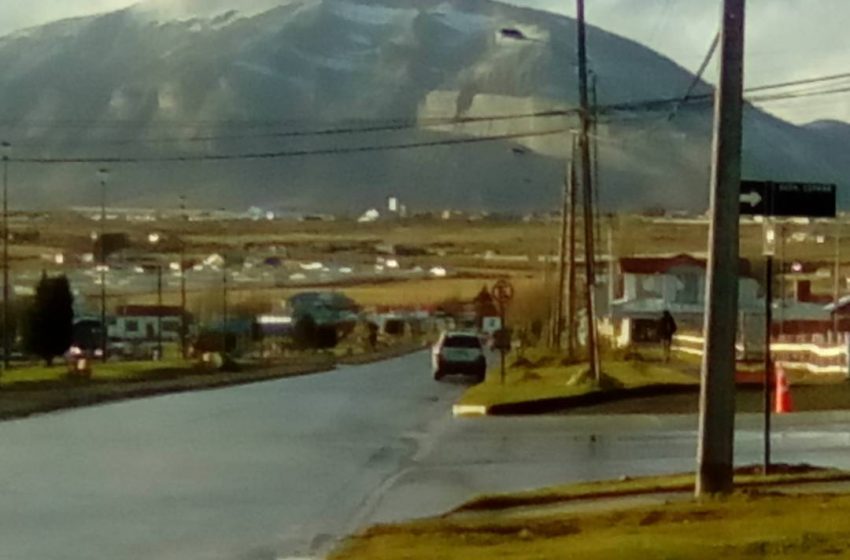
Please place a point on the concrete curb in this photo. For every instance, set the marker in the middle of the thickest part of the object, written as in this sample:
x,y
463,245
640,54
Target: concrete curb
x,y
382,355
557,404
55,396
81,396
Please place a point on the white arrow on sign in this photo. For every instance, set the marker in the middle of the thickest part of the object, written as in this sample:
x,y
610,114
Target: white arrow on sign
x,y
751,198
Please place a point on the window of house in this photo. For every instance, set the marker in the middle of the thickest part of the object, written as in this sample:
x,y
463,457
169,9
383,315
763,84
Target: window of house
x,y
649,286
688,291
131,326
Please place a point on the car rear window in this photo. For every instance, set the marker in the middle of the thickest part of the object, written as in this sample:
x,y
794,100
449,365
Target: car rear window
x,y
462,342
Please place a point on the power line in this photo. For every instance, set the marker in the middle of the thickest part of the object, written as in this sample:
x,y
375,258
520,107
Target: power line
x,y
798,95
801,82
698,76
338,131
650,105
288,153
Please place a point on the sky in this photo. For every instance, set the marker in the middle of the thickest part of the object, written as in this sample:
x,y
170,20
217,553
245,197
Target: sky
x,y
786,39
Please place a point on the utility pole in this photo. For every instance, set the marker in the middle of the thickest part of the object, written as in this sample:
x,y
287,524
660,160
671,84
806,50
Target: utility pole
x,y
562,257
571,269
159,311
836,285
184,350
768,360
6,149
224,306
594,100
587,199
717,394
612,262
103,174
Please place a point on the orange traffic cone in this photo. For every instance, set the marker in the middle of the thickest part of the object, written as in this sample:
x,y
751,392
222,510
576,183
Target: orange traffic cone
x,y
783,402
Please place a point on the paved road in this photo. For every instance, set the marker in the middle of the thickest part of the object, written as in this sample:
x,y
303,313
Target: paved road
x,y
279,469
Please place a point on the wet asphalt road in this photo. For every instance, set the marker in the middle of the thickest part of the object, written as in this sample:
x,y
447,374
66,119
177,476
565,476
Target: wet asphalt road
x,y
281,469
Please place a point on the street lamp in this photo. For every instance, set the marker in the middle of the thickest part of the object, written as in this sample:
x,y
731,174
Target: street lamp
x,y
6,149
103,176
154,239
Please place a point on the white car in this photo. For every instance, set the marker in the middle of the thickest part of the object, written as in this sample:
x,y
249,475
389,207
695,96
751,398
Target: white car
x,y
459,352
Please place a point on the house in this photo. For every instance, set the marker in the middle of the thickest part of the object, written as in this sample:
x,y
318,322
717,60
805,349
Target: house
x,y
647,286
326,308
141,322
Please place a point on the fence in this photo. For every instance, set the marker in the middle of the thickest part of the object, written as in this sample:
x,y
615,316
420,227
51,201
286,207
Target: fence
x,y
815,355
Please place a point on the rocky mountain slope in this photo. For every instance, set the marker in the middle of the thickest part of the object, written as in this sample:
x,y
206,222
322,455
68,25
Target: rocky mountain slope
x,y
199,78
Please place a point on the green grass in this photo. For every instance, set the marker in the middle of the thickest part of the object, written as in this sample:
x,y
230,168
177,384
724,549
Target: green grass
x,y
742,527
112,371
544,378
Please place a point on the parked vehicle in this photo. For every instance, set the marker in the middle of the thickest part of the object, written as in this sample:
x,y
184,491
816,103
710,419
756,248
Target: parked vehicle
x,y
459,353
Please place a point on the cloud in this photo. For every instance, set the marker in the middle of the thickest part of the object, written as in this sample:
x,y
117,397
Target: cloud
x,y
786,40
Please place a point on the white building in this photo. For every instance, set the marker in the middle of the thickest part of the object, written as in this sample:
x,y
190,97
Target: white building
x,y
141,322
648,286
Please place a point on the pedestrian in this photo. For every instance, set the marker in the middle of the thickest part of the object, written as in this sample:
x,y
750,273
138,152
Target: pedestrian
x,y
666,329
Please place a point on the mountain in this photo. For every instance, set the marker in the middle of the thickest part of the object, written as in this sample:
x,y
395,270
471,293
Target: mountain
x,y
194,78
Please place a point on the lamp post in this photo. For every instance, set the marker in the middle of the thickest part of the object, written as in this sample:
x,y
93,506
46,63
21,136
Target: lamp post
x,y
103,176
154,239
6,148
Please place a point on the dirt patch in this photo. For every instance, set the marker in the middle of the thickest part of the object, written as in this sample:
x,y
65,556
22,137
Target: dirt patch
x,y
521,362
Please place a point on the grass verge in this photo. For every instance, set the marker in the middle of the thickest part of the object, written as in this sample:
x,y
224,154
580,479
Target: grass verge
x,y
539,375
748,525
745,478
112,371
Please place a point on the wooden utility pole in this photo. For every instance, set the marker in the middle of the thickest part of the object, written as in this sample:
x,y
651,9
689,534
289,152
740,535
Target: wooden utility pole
x,y
571,249
562,259
184,326
587,199
717,395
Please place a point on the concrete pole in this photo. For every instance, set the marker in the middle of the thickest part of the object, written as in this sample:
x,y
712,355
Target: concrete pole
x,y
717,396
587,199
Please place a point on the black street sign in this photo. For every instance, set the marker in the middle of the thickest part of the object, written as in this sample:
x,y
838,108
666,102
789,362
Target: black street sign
x,y
805,200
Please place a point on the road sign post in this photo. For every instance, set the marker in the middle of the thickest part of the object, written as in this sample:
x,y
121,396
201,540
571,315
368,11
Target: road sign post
x,y
503,293
768,199
768,360
769,250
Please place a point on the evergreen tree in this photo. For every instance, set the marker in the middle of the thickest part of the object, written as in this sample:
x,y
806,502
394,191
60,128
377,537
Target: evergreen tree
x,y
51,323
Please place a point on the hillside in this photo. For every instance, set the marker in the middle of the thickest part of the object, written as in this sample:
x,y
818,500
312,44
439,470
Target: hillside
x,y
198,78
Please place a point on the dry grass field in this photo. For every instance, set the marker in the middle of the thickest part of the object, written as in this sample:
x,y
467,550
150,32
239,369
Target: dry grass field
x,y
515,248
